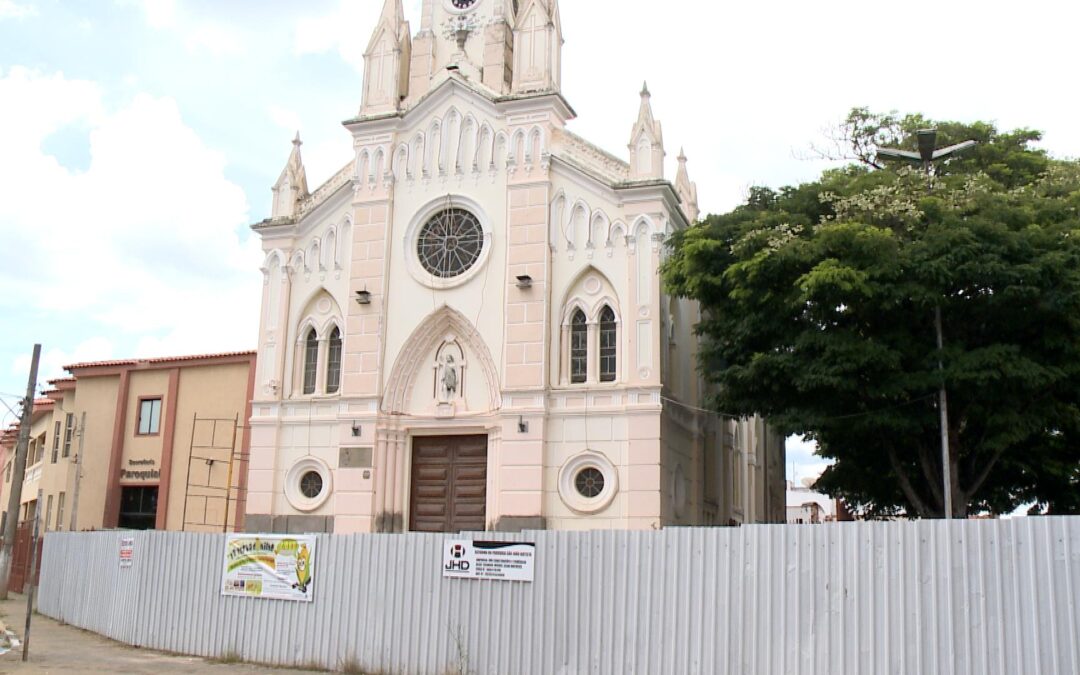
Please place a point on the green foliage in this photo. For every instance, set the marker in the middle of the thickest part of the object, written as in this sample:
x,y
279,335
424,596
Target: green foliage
x,y
819,305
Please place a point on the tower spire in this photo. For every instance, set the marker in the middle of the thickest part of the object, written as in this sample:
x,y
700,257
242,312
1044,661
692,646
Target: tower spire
x,y
686,190
386,62
646,141
537,47
291,186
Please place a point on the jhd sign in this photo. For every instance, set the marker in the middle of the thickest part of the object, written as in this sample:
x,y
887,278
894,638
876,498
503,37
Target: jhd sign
x,y
502,560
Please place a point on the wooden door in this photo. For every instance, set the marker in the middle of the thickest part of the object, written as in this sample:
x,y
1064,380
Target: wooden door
x,y
449,484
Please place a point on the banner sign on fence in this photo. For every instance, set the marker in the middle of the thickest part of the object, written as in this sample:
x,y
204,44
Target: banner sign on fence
x,y
127,552
279,567
503,560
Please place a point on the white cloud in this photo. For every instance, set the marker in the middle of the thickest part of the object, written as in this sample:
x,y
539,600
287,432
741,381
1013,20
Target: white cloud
x,y
802,460
54,359
346,30
9,9
289,120
146,241
160,13
214,38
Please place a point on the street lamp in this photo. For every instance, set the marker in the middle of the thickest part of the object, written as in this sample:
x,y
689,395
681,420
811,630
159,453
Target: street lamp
x,y
927,155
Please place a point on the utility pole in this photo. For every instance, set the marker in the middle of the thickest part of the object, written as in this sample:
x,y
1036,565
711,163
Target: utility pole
x,y
927,155
78,474
18,472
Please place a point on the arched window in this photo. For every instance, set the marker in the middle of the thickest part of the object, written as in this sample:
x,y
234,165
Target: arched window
x,y
579,347
608,345
333,362
311,361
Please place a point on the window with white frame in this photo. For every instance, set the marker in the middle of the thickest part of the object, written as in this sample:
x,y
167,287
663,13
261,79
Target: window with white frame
x,y
69,433
608,345
333,362
56,442
579,347
311,361
590,346
149,416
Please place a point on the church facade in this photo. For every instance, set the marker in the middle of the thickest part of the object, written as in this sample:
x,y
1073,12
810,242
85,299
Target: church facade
x,y
464,328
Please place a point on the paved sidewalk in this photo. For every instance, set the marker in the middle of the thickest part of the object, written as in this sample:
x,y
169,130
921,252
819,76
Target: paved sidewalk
x,y
58,648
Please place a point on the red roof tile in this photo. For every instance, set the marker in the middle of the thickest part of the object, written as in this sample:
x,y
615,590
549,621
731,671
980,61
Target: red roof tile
x,y
161,359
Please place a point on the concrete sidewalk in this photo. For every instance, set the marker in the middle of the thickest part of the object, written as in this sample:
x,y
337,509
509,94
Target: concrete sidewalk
x,y
59,648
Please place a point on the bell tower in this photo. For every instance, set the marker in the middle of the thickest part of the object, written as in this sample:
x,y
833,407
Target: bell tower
x,y
471,37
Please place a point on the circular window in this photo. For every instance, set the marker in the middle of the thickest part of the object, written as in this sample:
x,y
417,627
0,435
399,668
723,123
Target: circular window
x,y
450,243
588,482
308,484
311,484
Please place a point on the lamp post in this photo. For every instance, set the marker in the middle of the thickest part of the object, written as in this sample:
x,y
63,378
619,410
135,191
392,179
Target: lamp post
x,y
927,155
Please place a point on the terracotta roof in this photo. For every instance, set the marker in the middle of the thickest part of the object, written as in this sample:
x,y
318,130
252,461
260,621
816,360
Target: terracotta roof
x,y
161,359
61,380
43,402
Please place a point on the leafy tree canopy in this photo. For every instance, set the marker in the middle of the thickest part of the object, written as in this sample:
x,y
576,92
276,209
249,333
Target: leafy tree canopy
x,y
819,303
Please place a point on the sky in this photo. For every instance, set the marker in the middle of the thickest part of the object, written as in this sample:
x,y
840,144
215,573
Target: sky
x,y
141,137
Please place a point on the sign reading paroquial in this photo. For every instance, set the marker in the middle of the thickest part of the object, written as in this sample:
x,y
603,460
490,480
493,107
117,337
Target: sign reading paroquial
x,y
279,567
502,560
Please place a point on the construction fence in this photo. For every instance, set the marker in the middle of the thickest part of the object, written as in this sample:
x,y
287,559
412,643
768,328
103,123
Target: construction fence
x,y
931,597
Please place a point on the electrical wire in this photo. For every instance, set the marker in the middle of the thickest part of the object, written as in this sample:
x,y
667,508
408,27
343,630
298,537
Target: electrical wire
x,y
827,419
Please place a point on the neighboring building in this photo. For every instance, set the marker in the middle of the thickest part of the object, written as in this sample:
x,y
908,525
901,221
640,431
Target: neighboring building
x,y
806,507
162,440
464,328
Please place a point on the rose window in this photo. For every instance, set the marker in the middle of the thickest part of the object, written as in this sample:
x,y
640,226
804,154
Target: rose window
x,y
450,243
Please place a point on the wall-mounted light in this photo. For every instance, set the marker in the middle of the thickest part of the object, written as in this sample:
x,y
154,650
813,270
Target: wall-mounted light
x,y
524,281
363,297
357,429
523,426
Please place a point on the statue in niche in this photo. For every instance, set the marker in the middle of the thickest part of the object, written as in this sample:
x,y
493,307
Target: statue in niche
x,y
449,370
449,379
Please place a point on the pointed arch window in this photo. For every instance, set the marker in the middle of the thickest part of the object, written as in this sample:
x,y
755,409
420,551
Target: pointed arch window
x,y
579,347
608,345
311,361
333,362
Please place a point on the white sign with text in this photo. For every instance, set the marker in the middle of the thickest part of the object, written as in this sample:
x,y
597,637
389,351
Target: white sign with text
x,y
501,560
127,551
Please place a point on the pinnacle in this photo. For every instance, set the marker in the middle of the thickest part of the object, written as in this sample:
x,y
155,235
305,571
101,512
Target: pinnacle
x,y
296,141
682,155
645,89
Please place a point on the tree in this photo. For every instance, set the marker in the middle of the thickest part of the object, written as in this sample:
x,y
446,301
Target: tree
x,y
818,304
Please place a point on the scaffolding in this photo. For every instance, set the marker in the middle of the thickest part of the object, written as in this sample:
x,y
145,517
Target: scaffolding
x,y
214,462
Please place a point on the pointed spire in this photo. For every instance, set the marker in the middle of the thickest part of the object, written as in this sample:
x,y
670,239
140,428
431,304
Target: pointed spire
x,y
291,186
646,141
386,61
392,11
686,190
537,49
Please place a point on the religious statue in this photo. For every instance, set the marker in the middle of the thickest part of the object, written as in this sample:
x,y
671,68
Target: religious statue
x,y
450,378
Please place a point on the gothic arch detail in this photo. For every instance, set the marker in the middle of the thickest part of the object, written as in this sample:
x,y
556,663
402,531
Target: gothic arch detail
x,y
412,362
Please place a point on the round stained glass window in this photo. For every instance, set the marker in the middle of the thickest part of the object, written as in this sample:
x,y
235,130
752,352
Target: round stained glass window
x,y
589,482
311,484
450,243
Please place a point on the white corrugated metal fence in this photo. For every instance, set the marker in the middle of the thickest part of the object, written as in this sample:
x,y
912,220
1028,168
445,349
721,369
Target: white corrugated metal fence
x,y
967,597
